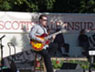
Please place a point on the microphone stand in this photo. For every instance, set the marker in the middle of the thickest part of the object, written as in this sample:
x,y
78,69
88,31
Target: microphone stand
x,y
1,46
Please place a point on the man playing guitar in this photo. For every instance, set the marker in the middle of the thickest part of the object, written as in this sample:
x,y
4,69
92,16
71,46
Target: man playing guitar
x,y
38,31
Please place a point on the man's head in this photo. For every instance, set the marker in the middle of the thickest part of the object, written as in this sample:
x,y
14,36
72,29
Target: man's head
x,y
43,20
82,31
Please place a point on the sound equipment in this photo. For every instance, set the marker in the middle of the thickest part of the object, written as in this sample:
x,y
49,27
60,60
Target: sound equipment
x,y
21,70
6,70
69,70
25,70
70,67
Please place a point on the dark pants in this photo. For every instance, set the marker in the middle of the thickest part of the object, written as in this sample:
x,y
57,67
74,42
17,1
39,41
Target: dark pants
x,y
85,47
47,60
66,47
53,47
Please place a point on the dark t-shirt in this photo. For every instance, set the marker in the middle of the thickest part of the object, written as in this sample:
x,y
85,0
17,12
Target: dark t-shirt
x,y
59,39
83,40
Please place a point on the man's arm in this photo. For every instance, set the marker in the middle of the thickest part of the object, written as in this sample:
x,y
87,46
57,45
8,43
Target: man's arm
x,y
33,36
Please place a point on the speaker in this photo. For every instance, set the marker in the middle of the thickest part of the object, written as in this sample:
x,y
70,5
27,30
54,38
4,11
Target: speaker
x,y
70,67
25,70
6,70
69,70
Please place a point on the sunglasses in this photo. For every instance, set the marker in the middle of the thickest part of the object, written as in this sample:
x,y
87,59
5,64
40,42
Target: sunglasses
x,y
44,20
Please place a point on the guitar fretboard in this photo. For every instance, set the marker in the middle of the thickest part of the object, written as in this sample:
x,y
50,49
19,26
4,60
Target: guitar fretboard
x,y
61,31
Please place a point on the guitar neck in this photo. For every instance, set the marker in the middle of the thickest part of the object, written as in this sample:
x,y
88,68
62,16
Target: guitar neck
x,y
61,31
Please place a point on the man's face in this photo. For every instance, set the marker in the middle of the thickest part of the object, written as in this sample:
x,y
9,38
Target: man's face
x,y
43,21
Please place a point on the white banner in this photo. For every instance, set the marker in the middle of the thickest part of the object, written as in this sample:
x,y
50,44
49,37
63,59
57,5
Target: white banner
x,y
16,26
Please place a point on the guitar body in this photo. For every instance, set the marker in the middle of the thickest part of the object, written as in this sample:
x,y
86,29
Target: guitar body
x,y
38,46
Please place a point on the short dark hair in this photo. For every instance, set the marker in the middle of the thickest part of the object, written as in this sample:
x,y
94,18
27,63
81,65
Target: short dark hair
x,y
82,31
41,16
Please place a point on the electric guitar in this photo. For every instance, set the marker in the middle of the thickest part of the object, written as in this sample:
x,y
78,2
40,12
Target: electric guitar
x,y
38,46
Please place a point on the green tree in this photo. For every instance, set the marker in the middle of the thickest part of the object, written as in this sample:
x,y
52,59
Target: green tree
x,y
87,6
68,6
64,6
26,5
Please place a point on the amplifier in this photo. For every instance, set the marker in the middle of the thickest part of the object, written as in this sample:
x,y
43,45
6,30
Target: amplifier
x,y
25,70
6,70
69,70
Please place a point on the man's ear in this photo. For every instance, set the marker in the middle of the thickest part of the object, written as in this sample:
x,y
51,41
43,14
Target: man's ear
x,y
40,20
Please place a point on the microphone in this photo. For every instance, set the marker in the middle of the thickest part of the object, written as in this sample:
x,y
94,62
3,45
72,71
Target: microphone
x,y
2,37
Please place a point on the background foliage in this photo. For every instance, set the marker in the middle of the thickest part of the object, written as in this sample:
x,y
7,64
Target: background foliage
x,y
64,6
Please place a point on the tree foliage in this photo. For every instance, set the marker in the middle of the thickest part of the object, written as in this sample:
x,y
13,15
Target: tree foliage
x,y
64,6
87,6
